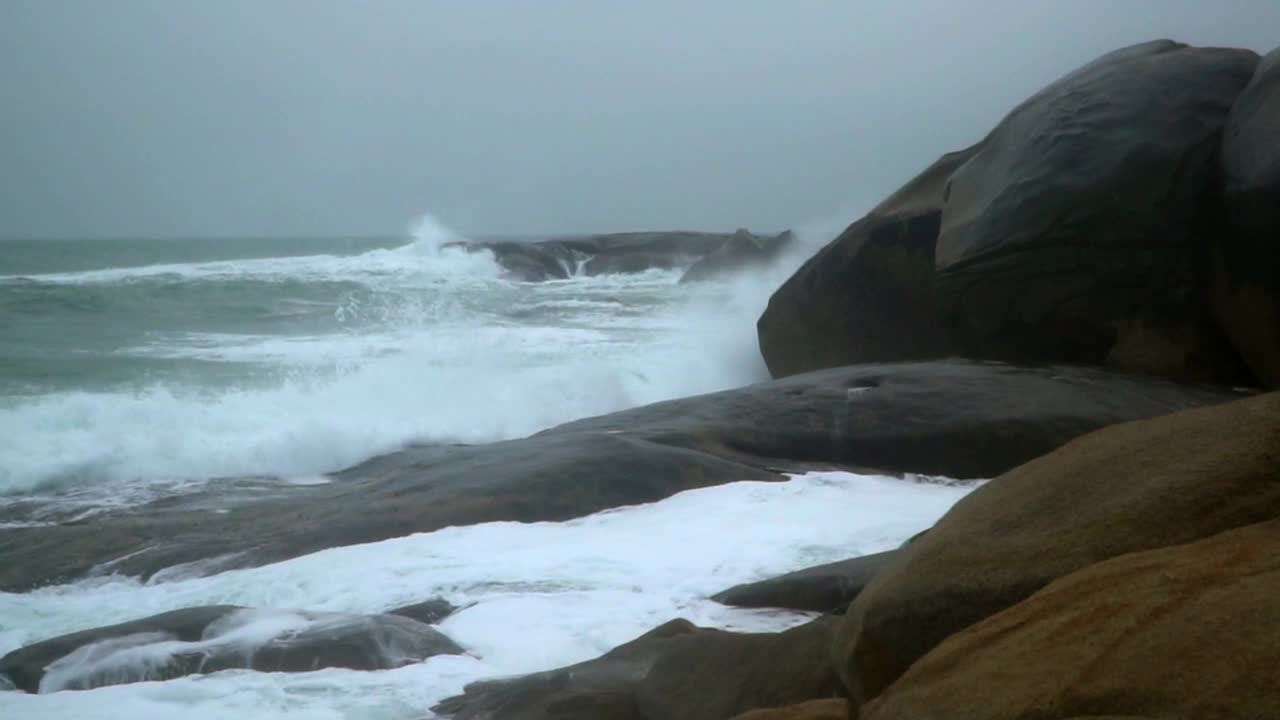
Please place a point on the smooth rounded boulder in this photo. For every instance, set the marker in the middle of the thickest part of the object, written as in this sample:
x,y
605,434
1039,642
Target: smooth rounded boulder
x,y
1078,232
868,295
1247,258
1127,488
1189,631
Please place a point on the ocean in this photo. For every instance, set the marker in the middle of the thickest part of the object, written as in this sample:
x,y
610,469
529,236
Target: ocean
x,y
135,369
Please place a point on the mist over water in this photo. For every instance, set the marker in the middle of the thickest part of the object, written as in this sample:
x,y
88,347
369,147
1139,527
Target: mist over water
x,y
142,378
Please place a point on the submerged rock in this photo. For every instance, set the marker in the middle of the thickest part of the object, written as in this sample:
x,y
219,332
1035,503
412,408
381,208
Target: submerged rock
x,y
675,672
1247,257
221,637
428,611
1129,488
823,588
955,418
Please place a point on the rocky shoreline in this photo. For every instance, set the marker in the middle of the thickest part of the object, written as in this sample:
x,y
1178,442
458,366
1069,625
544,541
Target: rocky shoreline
x,y
1083,306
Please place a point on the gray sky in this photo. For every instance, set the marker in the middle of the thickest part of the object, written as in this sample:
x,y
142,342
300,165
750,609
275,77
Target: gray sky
x,y
306,117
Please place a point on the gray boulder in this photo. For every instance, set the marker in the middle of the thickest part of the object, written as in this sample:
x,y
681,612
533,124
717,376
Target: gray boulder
x,y
868,295
1076,233
1247,258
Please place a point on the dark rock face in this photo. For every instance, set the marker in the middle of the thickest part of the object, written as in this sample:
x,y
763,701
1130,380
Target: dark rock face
x,y
1247,259
1077,233
825,588
740,253
958,418
561,258
1128,488
868,295
674,672
221,637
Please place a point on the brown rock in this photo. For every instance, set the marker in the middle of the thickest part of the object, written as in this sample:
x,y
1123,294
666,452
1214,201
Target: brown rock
x,y
829,709
1189,631
1127,488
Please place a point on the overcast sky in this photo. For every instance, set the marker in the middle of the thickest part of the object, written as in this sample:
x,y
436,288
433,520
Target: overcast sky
x,y
320,117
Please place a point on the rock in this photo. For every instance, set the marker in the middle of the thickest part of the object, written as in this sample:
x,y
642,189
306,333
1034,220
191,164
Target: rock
x,y
824,588
1247,258
868,295
1188,631
560,258
429,611
829,709
221,637
675,672
956,418
1077,232
1128,488
740,253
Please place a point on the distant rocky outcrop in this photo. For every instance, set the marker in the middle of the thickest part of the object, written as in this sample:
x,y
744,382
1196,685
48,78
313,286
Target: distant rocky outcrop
x,y
561,258
675,672
221,637
1129,488
740,253
1093,225
1247,259
958,418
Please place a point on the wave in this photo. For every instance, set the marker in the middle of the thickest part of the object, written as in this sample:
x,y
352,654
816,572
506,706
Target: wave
x,y
427,252
452,353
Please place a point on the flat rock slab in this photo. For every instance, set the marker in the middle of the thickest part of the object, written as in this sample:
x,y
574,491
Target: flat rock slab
x,y
825,588
221,637
956,418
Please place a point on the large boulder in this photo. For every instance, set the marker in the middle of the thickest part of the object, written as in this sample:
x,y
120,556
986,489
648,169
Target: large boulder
x,y
1247,258
1124,489
1189,631
675,672
823,588
740,253
868,295
961,419
221,637
1077,233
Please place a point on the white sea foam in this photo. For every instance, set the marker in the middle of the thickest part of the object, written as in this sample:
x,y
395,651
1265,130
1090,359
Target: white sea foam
x,y
539,595
520,358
